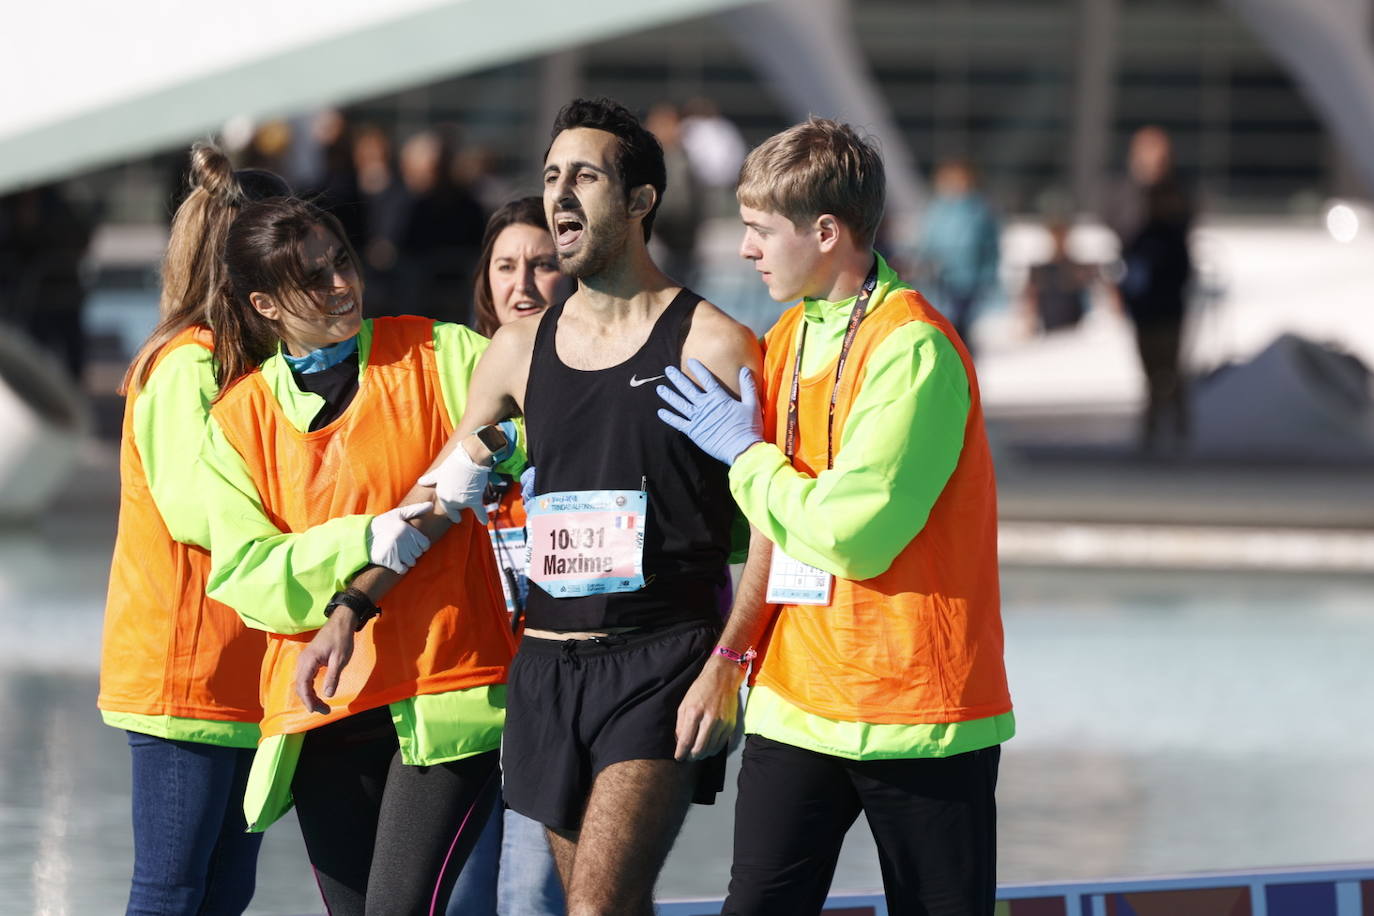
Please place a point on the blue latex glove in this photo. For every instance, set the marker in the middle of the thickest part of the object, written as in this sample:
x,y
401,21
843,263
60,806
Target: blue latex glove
x,y
527,483
721,426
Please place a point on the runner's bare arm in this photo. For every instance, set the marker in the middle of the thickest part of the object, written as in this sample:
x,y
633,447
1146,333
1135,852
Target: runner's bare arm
x,y
707,715
723,345
497,391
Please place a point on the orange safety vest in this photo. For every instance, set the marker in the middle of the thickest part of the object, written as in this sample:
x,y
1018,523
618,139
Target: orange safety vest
x,y
922,642
168,650
443,626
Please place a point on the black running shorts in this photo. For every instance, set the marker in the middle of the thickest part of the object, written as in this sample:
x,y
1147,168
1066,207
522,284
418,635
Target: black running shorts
x,y
574,707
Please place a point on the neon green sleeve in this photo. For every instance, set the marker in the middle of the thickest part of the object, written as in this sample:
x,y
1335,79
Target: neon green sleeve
x,y
899,445
277,581
457,348
170,411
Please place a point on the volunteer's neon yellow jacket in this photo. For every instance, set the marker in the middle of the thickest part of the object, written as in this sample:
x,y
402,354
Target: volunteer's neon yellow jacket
x,y
281,582
915,390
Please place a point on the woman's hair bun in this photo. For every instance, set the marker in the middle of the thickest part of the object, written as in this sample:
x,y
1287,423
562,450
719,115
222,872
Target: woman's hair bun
x,y
211,171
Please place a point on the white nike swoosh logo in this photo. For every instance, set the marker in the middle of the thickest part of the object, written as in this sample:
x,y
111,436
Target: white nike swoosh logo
x,y
636,382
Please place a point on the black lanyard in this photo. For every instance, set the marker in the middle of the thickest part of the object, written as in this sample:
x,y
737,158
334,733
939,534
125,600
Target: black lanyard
x,y
856,316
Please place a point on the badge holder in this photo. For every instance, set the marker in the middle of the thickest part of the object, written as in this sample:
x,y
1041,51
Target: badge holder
x,y
794,582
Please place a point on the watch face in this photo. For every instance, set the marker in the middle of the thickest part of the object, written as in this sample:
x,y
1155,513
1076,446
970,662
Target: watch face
x,y
492,438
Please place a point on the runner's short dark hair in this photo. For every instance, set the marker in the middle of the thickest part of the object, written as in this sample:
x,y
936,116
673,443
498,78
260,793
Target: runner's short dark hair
x,y
639,156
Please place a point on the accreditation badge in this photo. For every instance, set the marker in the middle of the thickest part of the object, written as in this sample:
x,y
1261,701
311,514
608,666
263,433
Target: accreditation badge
x,y
794,582
511,557
586,542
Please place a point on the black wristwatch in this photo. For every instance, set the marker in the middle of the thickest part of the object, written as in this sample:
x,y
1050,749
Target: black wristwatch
x,y
357,602
496,442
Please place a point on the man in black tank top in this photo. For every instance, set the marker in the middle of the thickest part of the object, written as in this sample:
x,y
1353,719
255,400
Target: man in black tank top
x,y
620,704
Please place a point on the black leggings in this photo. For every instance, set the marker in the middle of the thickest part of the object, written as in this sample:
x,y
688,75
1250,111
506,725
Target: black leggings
x,y
934,820
385,837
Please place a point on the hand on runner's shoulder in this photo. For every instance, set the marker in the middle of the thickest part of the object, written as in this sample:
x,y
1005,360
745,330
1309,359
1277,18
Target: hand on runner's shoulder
x,y
459,483
709,414
395,543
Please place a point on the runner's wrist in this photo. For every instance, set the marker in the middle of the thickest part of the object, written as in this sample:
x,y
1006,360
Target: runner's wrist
x,y
478,451
734,659
492,444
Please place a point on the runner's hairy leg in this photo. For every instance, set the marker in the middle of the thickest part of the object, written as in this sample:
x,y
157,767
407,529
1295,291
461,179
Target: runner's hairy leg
x,y
633,816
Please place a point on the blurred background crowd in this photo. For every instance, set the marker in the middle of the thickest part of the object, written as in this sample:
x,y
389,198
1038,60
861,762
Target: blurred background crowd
x,y
1054,164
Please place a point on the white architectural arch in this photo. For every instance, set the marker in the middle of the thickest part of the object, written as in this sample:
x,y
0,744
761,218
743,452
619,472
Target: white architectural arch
x,y
1328,47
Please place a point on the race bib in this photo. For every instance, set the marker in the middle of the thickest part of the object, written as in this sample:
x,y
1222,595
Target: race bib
x,y
512,559
586,542
794,582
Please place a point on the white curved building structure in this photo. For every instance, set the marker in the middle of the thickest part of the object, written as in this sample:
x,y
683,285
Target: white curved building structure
x,y
44,418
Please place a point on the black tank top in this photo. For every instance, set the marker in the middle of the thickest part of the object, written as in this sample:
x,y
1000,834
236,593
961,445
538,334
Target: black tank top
x,y
599,430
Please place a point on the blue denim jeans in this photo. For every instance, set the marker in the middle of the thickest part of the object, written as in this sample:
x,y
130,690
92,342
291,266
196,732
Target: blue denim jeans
x,y
510,873
192,853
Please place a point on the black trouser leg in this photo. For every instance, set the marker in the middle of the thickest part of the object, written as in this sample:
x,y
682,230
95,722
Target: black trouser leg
x,y
382,836
338,788
793,810
1166,390
935,823
431,818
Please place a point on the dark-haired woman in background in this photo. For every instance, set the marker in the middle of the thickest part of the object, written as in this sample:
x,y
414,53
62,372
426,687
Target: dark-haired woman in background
x,y
179,672
511,872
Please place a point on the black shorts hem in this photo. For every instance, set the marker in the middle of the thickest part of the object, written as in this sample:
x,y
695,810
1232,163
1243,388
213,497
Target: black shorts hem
x,y
575,707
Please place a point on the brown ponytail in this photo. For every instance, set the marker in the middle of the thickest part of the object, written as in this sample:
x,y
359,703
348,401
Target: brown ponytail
x,y
192,269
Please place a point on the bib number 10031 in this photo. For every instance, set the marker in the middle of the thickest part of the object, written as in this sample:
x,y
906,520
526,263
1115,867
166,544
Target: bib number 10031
x,y
586,542
577,538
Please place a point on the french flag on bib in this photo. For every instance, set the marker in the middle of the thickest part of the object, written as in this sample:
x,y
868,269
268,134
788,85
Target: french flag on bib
x,y
624,521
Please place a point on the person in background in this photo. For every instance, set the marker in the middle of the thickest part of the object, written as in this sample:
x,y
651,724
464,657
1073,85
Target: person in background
x,y
679,216
512,872
383,204
269,146
441,231
43,239
1057,291
336,181
716,149
308,453
960,246
179,671
1152,213
478,168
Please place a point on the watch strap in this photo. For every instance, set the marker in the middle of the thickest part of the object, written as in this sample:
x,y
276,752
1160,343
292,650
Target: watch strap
x,y
357,602
499,439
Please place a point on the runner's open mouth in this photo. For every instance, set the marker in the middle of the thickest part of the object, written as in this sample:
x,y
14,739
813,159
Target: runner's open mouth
x,y
568,229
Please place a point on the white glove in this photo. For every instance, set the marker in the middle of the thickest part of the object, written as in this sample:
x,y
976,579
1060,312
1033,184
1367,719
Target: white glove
x,y
459,483
396,544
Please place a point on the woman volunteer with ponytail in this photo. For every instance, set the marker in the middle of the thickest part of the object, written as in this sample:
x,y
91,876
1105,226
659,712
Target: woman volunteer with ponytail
x,y
179,671
306,459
